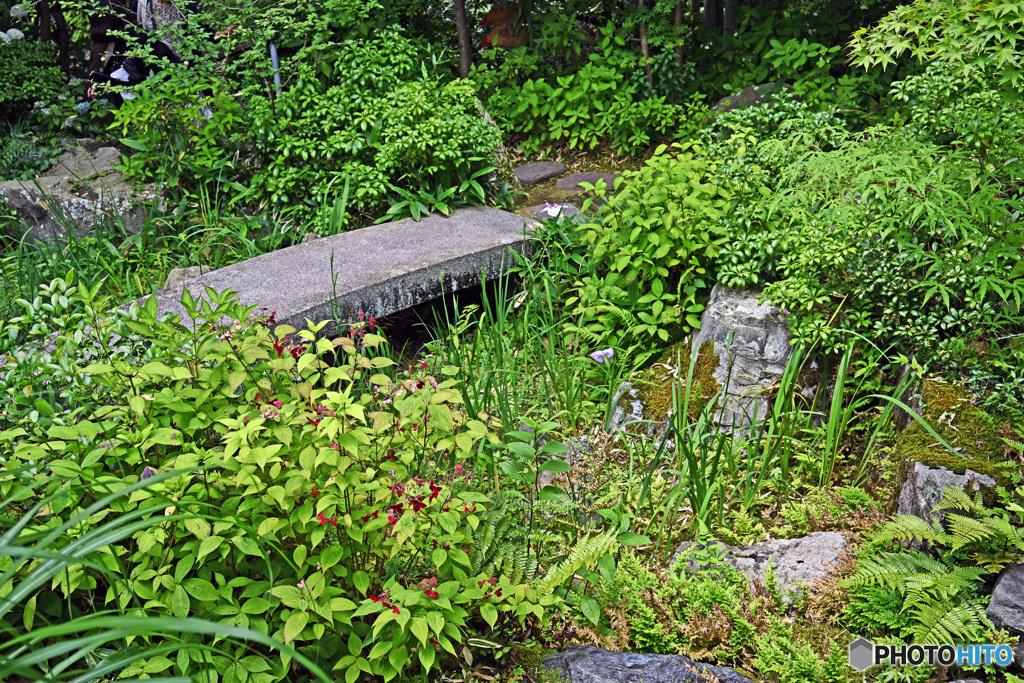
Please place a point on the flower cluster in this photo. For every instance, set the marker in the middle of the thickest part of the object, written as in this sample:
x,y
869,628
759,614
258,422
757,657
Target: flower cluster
x,y
385,603
323,519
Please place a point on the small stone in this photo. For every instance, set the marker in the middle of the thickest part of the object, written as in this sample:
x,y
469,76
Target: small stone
x,y
538,172
179,275
309,237
572,182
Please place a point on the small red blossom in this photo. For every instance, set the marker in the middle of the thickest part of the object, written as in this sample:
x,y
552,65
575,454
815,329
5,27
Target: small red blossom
x,y
395,610
277,404
432,594
323,519
314,492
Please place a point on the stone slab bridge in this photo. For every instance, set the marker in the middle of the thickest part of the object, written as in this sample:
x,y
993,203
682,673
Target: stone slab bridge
x,y
381,269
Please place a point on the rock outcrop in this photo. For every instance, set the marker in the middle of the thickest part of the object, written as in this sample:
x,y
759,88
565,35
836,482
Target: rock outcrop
x,y
81,191
591,664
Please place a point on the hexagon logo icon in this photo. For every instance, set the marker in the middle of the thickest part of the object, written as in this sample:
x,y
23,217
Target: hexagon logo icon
x,y
862,654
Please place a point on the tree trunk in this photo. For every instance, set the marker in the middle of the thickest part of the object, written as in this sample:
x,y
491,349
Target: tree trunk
x,y
711,12
677,21
465,49
60,27
729,21
645,50
43,8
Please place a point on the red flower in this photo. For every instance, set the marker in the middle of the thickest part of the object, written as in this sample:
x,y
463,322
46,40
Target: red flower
x,y
395,610
432,594
277,404
297,351
312,421
314,492
322,518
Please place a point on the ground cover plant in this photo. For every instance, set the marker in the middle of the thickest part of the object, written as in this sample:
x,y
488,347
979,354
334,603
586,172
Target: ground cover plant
x,y
226,498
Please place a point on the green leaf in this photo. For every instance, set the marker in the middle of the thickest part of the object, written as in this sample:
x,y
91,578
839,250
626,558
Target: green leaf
x,y
591,609
630,538
490,613
361,580
180,603
293,627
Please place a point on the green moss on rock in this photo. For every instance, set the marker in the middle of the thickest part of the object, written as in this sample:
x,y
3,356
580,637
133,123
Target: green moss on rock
x,y
655,387
949,412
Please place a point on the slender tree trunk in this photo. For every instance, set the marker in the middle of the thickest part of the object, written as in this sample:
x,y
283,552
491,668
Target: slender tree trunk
x,y
60,27
729,20
677,21
43,8
641,6
465,49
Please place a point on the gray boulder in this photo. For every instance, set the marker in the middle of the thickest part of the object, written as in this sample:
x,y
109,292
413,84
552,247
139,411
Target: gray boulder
x,y
758,353
1006,609
629,410
538,172
795,561
750,96
590,664
924,487
81,191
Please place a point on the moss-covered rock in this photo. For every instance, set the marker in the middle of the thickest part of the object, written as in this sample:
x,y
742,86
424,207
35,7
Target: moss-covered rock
x,y
655,388
948,409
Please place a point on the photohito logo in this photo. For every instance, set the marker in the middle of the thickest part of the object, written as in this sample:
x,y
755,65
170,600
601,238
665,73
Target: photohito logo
x,y
864,654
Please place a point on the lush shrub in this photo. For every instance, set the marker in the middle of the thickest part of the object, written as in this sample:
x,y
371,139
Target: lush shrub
x,y
655,245
599,104
31,72
330,505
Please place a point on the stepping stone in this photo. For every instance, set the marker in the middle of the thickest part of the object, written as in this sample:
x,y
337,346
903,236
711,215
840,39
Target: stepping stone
x,y
543,212
573,181
538,172
381,269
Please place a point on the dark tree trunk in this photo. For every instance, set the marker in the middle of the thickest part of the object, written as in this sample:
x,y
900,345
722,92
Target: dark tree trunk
x,y
60,27
729,20
43,8
465,49
645,49
711,12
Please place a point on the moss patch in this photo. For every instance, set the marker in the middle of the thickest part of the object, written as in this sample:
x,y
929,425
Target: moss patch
x,y
655,387
949,412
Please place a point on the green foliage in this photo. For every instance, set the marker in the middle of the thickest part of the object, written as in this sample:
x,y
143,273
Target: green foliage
x,y
31,73
71,113
177,144
22,159
654,249
593,106
935,598
313,519
967,35
890,238
781,657
43,632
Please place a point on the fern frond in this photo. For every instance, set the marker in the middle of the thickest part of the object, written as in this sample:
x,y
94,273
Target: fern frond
x,y
586,551
908,528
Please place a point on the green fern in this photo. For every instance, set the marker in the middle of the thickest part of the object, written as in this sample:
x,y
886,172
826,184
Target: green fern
x,y
586,551
941,597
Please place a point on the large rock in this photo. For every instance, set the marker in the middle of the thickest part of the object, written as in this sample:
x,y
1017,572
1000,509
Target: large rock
x,y
924,487
795,561
81,191
1006,609
750,96
538,172
757,356
590,664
